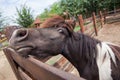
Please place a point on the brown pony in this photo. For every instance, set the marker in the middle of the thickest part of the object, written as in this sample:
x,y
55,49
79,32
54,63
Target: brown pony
x,y
95,60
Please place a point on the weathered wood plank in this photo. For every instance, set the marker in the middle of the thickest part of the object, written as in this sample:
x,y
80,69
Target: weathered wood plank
x,y
23,75
12,64
41,71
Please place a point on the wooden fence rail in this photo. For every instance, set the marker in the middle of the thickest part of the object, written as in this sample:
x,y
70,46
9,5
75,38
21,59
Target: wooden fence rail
x,y
93,23
97,20
33,69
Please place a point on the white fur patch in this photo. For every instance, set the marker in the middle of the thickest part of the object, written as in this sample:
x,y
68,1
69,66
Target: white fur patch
x,y
103,61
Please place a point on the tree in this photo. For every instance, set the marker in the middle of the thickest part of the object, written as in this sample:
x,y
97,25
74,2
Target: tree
x,y
25,17
76,7
85,7
54,9
44,15
73,7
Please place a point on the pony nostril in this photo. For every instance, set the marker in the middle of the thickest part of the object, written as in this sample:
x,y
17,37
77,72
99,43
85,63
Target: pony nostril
x,y
18,36
22,33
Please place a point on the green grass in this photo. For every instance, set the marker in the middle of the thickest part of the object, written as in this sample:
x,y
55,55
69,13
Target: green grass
x,y
77,28
53,60
3,44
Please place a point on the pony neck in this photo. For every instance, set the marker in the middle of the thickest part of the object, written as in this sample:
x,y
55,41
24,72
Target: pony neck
x,y
81,51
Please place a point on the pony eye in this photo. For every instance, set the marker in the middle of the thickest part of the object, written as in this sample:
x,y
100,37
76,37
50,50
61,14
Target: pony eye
x,y
60,31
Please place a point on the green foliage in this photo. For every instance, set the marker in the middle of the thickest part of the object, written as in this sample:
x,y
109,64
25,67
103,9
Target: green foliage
x,y
76,7
55,9
72,7
25,17
44,15
85,7
77,28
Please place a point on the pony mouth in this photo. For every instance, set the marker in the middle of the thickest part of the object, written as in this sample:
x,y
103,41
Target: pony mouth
x,y
23,49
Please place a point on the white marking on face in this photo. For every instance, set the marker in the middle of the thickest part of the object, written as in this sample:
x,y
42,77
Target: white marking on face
x,y
14,33
103,61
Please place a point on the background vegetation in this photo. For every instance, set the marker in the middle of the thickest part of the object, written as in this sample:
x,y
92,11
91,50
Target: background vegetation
x,y
24,16
76,7
71,7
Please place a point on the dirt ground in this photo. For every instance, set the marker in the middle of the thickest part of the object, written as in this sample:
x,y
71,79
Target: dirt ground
x,y
110,33
6,72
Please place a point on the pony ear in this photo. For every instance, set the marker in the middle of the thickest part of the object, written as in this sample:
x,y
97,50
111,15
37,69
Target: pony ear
x,y
72,23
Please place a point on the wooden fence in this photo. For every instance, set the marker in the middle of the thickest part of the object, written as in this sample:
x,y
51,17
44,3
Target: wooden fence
x,y
93,24
33,69
113,16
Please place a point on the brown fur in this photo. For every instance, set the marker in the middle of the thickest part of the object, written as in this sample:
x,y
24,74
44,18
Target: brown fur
x,y
116,50
54,21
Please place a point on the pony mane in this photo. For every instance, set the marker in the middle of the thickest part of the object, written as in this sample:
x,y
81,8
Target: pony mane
x,y
58,20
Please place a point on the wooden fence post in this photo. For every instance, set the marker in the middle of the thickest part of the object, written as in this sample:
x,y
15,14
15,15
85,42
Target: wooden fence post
x,y
81,23
12,63
94,23
105,14
101,18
